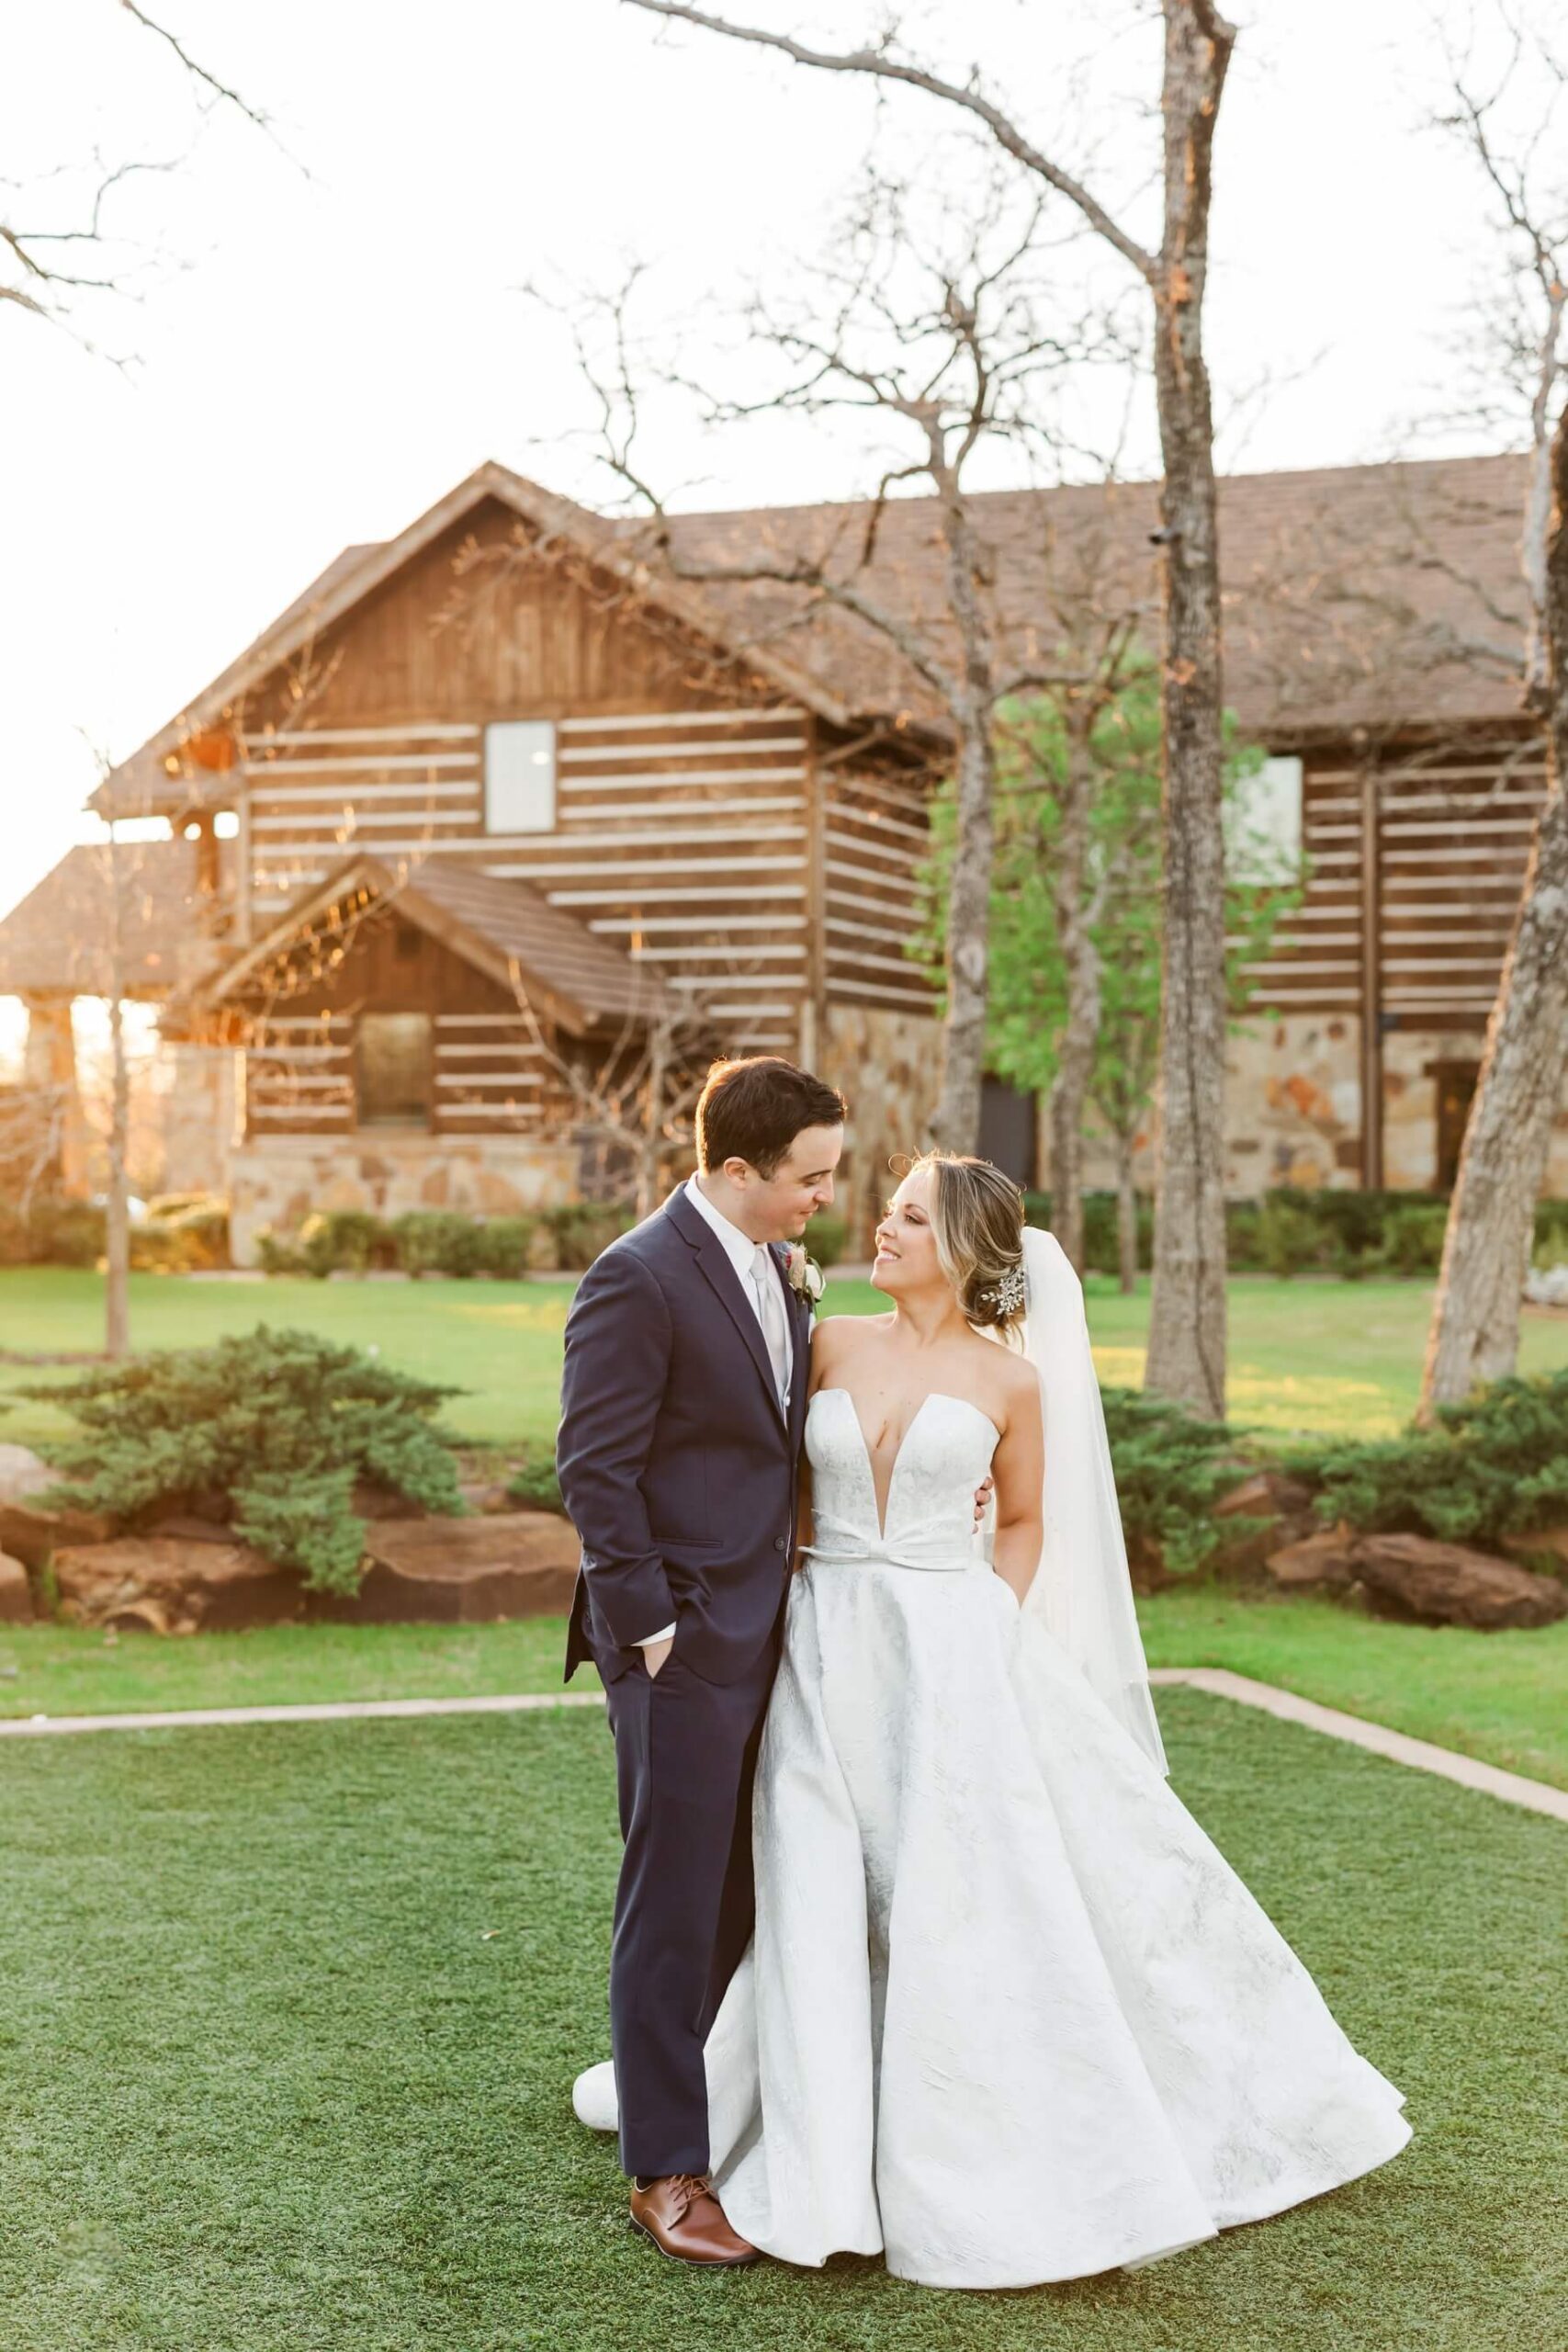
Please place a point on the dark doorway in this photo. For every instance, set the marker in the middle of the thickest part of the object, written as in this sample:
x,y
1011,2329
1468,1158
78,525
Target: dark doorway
x,y
1456,1092
1009,1130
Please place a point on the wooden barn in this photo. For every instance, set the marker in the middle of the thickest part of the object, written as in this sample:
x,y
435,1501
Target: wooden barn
x,y
495,799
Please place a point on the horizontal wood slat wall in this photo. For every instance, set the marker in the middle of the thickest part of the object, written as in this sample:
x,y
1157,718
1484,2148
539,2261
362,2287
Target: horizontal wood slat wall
x,y
1446,861
681,836
874,841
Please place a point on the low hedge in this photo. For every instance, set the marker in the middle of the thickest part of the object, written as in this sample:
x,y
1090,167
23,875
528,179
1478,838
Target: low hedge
x,y
445,1241
1291,1230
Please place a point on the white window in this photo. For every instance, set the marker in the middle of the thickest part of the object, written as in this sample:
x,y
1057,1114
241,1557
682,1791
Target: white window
x,y
520,776
1263,824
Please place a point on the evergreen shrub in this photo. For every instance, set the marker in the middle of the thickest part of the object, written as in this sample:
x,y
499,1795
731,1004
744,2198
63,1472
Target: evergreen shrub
x,y
826,1237
268,1431
535,1485
1494,1467
1171,1467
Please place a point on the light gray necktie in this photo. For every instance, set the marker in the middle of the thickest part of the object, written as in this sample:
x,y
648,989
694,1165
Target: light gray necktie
x,y
769,1304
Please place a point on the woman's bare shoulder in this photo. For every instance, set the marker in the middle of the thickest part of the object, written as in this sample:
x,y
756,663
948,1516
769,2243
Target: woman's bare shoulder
x,y
1010,1381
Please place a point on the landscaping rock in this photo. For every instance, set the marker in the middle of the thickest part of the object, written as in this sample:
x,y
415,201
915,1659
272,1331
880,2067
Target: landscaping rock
x,y
1444,1584
1267,1493
1330,1559
16,1592
462,1571
23,1473
32,1535
174,1584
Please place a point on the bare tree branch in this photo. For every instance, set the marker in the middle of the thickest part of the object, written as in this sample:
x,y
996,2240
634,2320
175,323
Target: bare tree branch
x,y
880,64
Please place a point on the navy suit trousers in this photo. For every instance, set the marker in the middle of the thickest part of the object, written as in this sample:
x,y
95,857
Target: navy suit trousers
x,y
685,1759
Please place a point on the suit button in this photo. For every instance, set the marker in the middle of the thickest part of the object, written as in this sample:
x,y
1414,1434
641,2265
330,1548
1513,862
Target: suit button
x,y
779,1542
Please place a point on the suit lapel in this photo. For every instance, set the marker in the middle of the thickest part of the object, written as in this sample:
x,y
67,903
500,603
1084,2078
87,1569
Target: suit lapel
x,y
714,1260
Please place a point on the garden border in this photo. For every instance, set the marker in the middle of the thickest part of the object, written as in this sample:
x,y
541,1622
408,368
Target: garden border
x,y
1287,1706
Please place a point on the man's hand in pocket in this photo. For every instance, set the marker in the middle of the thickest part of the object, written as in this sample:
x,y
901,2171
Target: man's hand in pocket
x,y
656,1652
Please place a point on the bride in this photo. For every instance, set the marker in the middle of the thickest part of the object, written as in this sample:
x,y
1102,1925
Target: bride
x,y
1007,2016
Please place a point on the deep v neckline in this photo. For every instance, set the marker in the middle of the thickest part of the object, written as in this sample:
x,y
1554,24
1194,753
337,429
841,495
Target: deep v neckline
x,y
830,1388
882,1514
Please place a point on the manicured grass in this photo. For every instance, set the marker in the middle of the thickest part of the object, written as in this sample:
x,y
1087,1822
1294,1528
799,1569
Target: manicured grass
x,y
65,1671
501,1341
1502,1697
1306,1356
291,2015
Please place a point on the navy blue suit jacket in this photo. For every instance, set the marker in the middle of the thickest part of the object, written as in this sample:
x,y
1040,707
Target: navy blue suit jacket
x,y
677,1464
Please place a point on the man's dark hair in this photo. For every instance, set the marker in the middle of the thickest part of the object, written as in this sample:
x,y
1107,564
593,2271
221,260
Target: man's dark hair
x,y
753,1110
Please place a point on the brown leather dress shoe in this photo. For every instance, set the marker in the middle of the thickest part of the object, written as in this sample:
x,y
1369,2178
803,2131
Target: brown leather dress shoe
x,y
686,2221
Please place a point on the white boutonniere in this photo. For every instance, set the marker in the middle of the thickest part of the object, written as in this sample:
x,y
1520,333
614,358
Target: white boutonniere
x,y
806,1276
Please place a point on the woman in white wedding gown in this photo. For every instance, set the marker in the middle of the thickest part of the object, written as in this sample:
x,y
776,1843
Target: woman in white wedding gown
x,y
1007,2016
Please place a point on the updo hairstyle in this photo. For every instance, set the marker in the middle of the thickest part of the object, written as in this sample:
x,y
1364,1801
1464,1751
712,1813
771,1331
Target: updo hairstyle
x,y
977,1224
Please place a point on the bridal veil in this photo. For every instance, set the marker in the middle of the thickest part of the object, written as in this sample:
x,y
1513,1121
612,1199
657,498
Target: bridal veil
x,y
1082,1591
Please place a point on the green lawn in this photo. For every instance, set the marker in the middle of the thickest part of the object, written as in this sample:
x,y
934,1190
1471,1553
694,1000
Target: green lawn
x,y
1304,1355
1503,1697
291,2015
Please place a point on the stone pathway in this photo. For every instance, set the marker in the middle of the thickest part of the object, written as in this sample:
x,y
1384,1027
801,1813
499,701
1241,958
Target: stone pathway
x,y
1514,1788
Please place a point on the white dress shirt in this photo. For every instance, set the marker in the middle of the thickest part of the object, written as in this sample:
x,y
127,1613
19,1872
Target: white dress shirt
x,y
741,1252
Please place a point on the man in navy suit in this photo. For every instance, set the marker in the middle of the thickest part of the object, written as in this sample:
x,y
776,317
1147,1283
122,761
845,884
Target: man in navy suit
x,y
683,1408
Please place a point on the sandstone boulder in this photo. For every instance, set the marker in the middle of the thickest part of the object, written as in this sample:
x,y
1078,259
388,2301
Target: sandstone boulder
x,y
16,1593
23,1473
1445,1583
463,1571
1329,1558
1267,1493
174,1584
30,1535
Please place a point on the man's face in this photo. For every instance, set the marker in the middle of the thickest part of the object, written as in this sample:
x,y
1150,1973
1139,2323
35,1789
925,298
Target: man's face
x,y
779,1205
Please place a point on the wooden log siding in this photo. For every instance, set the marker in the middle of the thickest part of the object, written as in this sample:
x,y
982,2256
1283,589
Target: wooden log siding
x,y
490,1077
874,841
683,835
1446,857
299,1076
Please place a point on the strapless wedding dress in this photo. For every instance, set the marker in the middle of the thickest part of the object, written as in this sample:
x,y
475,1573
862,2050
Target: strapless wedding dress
x,y
1008,2016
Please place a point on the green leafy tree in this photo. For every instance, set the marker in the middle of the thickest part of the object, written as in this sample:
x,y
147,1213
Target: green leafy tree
x,y
1075,919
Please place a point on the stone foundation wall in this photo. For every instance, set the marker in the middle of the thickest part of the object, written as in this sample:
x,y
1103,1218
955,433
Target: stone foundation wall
x,y
888,1067
280,1181
198,1114
1294,1109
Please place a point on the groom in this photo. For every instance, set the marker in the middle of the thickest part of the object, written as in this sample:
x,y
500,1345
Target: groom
x,y
683,1406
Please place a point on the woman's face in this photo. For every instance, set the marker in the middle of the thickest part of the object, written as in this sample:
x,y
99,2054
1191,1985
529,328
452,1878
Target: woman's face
x,y
906,1258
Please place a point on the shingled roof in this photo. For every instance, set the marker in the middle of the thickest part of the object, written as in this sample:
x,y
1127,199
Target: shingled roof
x,y
502,927
1381,596
59,941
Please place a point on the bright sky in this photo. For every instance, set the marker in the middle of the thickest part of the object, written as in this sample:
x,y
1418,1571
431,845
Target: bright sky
x,y
315,353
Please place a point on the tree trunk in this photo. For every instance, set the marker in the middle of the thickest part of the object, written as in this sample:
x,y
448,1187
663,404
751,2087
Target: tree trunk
x,y
1126,1217
653,1118
1081,1032
1475,1322
1187,1325
117,1223
955,1122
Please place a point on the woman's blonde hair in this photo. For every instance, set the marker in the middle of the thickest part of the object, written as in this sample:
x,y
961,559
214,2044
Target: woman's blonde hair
x,y
977,1224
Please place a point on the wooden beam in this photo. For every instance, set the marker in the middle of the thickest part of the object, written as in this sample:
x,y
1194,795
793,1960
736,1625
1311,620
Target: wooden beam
x,y
1371,988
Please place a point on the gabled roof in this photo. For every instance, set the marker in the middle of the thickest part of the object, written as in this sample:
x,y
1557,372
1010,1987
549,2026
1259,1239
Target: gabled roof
x,y
503,928
1384,595
141,782
59,940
